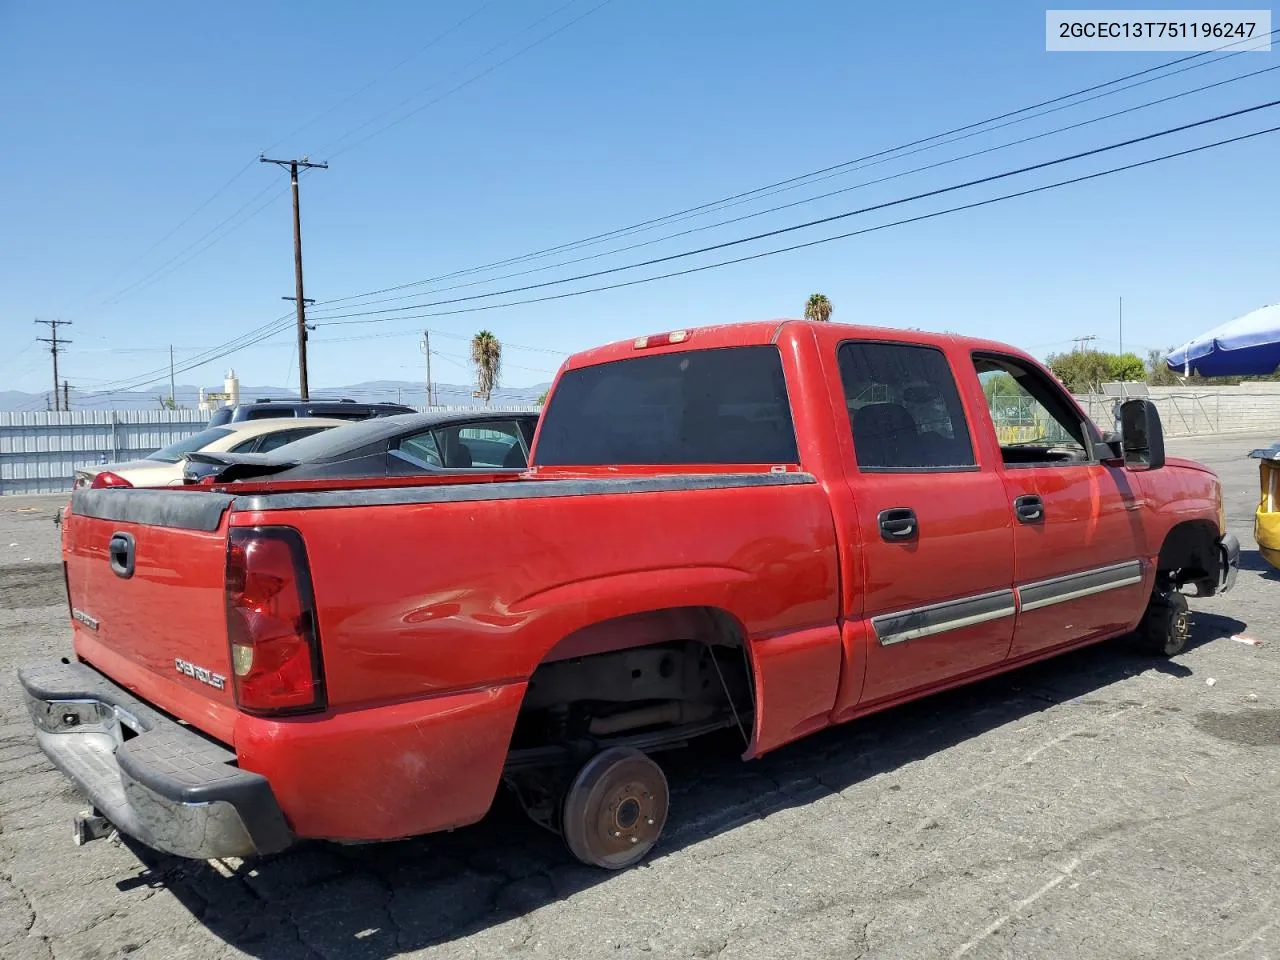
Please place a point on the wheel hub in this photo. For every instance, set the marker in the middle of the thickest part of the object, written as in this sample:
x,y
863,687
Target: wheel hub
x,y
628,817
1181,625
616,808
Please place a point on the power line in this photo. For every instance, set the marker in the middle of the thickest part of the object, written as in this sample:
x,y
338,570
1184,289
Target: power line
x,y
853,233
273,326
267,330
191,365
181,223
140,283
159,273
506,345
801,177
176,262
822,196
386,73
812,223
464,84
248,339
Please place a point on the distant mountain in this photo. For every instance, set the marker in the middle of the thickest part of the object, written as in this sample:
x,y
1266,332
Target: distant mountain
x,y
409,392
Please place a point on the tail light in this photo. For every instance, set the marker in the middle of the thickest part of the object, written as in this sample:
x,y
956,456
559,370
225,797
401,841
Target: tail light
x,y
271,623
108,479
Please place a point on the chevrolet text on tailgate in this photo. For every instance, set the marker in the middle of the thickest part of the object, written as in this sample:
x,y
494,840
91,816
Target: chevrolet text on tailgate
x,y
765,527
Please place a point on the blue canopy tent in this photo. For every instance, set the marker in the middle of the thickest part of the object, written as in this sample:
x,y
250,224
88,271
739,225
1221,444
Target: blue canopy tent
x,y
1245,346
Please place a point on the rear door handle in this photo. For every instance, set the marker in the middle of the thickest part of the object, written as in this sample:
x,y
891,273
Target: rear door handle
x,y
1030,509
898,524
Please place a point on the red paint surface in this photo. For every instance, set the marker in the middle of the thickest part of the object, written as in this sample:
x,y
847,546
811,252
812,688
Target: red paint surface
x,y
433,616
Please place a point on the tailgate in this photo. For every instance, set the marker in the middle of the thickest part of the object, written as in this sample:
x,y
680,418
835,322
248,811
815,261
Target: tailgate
x,y
145,572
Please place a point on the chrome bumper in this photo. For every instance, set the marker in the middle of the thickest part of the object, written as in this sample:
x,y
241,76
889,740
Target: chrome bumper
x,y
153,778
1229,546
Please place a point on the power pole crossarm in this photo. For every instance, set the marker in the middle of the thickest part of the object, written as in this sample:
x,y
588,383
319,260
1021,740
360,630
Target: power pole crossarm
x,y
293,167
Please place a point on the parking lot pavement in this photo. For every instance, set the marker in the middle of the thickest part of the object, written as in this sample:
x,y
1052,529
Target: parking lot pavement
x,y
1098,805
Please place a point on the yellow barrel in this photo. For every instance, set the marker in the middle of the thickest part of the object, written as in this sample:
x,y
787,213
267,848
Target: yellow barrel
x,y
1266,524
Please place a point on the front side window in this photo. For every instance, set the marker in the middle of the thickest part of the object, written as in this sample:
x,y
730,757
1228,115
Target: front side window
x,y
495,443
904,408
1034,422
713,406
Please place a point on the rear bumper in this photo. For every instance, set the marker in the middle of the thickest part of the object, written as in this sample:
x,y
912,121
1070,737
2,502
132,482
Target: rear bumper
x,y
1229,545
156,780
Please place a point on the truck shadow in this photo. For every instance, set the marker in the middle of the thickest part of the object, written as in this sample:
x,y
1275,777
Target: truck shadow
x,y
1253,560
378,901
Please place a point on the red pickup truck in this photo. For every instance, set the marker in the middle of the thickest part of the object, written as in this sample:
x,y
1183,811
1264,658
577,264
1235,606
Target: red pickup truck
x,y
773,527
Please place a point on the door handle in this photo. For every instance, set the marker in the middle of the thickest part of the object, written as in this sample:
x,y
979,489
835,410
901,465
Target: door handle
x,y
898,524
122,553
1030,509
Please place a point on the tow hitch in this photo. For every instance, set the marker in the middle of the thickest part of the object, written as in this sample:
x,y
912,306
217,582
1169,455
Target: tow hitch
x,y
90,825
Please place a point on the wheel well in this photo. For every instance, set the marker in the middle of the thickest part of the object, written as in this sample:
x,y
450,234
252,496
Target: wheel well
x,y
661,674
1189,555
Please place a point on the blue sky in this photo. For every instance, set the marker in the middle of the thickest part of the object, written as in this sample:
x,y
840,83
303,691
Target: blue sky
x,y
120,120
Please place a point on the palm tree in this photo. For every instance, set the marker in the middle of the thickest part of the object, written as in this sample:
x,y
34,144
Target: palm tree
x,y
486,357
818,307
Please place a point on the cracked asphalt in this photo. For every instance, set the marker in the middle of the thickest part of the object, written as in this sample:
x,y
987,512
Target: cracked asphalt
x,y
1101,804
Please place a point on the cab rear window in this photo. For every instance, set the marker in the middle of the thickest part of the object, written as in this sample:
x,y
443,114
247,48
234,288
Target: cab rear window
x,y
720,406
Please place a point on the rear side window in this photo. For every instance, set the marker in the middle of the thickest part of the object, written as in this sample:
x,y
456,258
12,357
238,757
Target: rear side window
x,y
270,413
421,449
273,441
717,406
345,411
904,408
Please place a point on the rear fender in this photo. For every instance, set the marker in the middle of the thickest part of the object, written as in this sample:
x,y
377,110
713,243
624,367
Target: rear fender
x,y
795,673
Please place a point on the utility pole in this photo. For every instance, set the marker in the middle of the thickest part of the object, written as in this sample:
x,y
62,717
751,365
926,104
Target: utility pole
x,y
293,166
426,349
1122,324
172,402
1123,392
55,342
1081,341
66,396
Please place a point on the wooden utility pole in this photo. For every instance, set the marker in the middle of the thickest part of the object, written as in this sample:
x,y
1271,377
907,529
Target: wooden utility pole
x,y
55,342
66,396
426,349
293,166
172,402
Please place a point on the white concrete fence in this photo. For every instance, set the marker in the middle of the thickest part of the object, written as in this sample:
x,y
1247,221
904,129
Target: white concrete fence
x,y
1189,412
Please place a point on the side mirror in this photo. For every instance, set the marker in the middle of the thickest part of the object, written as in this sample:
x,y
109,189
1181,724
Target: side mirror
x,y
1143,435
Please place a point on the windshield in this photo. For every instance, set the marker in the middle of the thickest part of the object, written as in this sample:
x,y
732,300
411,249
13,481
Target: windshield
x,y
197,441
716,406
